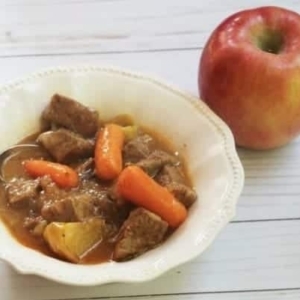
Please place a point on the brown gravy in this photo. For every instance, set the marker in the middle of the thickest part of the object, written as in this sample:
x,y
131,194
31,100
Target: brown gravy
x,y
13,218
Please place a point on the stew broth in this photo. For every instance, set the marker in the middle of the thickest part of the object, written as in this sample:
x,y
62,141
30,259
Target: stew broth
x,y
14,218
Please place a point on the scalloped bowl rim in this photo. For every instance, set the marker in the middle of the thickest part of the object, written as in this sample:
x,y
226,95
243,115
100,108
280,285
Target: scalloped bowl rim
x,y
221,218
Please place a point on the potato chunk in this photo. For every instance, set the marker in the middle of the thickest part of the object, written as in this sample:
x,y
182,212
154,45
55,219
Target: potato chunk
x,y
130,132
73,240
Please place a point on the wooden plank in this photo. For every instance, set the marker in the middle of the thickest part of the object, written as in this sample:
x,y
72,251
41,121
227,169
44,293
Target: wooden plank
x,y
248,259
246,256
37,27
169,66
272,183
271,295
272,177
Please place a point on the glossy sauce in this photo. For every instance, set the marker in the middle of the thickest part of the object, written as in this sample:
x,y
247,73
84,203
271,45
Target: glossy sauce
x,y
14,218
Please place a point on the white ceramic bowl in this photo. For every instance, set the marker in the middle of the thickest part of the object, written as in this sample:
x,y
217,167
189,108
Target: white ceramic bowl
x,y
196,131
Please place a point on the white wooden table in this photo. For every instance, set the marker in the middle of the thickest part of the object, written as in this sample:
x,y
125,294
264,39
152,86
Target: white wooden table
x,y
258,255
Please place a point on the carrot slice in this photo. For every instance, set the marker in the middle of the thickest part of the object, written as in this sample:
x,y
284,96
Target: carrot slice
x,y
62,175
139,188
108,152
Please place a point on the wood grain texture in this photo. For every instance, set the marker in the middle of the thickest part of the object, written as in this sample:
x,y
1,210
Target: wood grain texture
x,y
39,27
247,256
257,256
275,295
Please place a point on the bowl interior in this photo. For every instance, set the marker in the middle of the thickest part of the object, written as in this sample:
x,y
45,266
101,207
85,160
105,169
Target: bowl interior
x,y
203,139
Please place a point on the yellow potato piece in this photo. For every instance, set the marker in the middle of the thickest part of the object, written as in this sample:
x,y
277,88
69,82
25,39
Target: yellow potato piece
x,y
130,132
73,240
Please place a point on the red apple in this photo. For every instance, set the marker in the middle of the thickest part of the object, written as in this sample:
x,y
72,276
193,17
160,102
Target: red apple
x,y
249,74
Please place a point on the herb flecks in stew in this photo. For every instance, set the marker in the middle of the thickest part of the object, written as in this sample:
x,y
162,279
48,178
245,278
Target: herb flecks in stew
x,y
93,191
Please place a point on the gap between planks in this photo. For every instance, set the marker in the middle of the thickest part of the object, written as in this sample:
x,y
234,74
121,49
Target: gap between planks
x,y
188,295
55,54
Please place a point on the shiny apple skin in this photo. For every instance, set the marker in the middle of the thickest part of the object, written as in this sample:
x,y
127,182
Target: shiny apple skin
x,y
256,93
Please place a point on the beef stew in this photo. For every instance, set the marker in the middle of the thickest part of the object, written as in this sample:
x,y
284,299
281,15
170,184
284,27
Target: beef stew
x,y
67,196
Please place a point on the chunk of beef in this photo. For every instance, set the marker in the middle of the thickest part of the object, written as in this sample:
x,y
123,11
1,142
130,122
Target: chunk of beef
x,y
94,187
138,148
64,206
105,205
50,191
111,211
45,192
169,174
83,206
142,231
58,211
186,195
155,161
20,191
65,145
71,114
49,196
77,207
172,178
89,200
36,225
47,184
